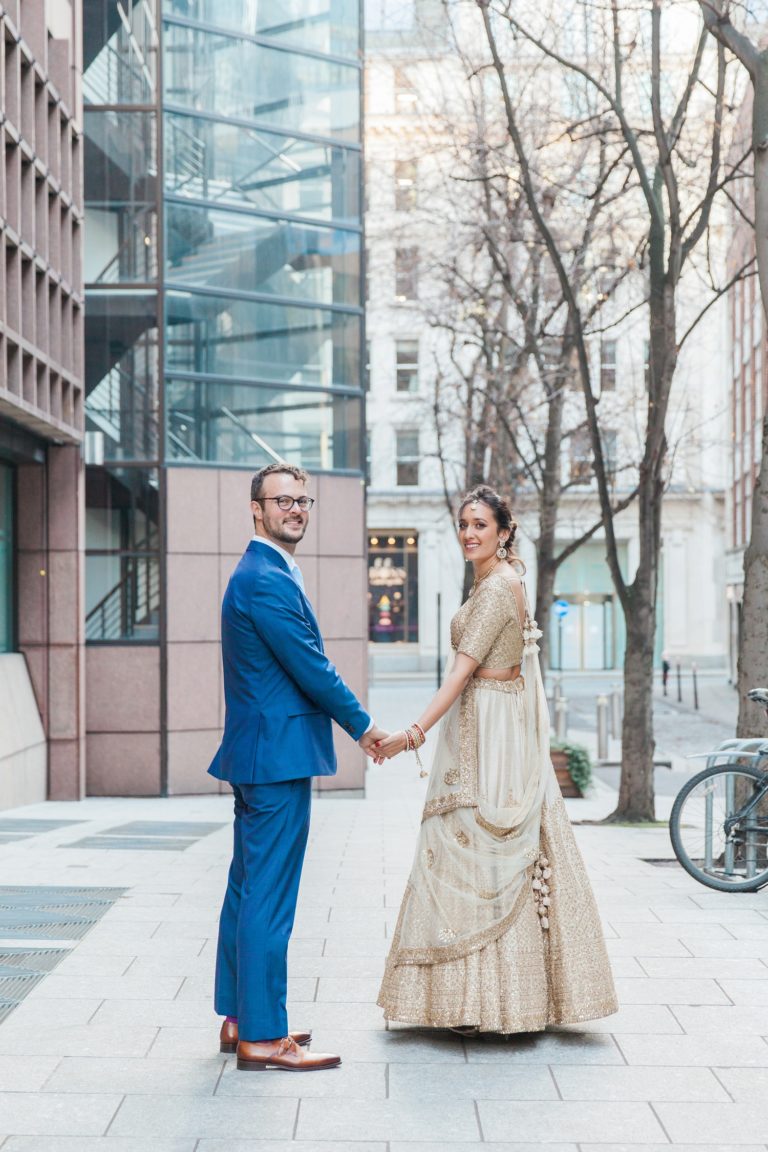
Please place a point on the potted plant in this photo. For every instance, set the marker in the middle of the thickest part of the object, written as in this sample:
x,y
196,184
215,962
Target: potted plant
x,y
573,768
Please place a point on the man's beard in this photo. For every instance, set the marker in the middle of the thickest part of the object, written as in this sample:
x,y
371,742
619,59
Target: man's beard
x,y
278,532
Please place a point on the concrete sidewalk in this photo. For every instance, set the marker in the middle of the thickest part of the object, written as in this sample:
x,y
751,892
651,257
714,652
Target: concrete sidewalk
x,y
115,1049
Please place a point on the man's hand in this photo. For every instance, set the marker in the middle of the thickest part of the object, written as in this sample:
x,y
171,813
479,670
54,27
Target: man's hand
x,y
368,741
392,745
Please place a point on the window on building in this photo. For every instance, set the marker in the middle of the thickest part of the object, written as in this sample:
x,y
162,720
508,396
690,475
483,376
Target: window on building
x,y
407,371
405,92
367,184
610,441
406,189
406,273
607,365
581,457
407,453
389,15
122,573
393,587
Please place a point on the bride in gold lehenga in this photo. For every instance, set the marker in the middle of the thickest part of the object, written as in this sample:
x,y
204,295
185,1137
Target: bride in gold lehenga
x,y
498,928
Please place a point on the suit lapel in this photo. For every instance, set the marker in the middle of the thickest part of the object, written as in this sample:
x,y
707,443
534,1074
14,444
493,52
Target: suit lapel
x,y
277,561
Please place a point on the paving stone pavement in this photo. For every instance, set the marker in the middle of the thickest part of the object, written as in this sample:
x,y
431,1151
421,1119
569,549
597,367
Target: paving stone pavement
x,y
115,1050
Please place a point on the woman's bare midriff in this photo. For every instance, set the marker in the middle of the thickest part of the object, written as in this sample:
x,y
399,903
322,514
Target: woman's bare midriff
x,y
498,673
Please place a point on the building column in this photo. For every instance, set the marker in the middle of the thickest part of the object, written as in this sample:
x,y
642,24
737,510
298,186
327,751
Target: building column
x,y
66,638
50,572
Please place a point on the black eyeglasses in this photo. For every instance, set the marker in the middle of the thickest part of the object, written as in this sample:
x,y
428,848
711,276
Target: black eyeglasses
x,y
285,503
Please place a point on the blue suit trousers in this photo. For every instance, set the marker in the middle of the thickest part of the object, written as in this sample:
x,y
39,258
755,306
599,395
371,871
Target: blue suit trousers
x,y
271,829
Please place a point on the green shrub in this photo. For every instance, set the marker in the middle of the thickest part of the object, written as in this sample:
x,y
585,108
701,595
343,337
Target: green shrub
x,y
579,763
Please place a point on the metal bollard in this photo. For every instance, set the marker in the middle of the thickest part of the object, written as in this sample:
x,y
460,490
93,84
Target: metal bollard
x,y
557,688
561,718
679,685
617,712
695,688
602,727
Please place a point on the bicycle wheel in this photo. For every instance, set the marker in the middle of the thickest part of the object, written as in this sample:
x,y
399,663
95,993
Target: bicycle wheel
x,y
716,845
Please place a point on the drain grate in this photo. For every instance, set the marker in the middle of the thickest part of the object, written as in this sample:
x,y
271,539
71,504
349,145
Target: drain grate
x,y
16,987
25,827
190,829
152,835
53,893
31,827
31,960
39,913
133,843
661,861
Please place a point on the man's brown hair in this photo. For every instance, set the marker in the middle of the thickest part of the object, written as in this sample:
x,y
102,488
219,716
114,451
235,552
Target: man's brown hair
x,y
257,483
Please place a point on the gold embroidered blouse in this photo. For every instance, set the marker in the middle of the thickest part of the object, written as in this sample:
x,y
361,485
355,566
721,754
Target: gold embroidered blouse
x,y
487,627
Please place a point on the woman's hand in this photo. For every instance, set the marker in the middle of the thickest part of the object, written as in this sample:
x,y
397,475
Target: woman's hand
x,y
392,746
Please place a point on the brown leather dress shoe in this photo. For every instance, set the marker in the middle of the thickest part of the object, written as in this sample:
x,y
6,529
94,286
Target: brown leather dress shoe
x,y
285,1054
228,1037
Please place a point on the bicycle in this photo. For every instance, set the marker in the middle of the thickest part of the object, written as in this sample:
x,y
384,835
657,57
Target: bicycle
x,y
719,820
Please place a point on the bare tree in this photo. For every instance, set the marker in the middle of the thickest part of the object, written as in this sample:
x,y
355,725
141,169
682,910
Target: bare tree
x,y
753,641
664,133
508,378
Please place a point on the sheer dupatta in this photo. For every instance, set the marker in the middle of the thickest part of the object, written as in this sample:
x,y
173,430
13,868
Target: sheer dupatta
x,y
480,834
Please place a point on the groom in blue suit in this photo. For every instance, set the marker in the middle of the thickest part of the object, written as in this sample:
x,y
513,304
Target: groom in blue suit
x,y
281,693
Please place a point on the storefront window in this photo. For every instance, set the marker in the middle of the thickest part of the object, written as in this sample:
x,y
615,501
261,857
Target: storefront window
x,y
393,587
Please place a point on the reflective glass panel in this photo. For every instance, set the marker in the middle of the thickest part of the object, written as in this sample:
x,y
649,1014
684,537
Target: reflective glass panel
x,y
320,25
122,585
268,342
244,424
231,164
244,253
121,377
120,197
6,558
232,77
119,52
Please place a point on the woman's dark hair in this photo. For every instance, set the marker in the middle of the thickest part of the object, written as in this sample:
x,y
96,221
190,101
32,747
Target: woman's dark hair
x,y
502,513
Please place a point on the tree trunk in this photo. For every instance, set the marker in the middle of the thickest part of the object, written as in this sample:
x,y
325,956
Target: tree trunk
x,y
636,788
753,643
545,594
549,505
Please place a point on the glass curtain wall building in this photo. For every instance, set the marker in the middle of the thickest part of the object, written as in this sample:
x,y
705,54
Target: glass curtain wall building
x,y
262,232
223,331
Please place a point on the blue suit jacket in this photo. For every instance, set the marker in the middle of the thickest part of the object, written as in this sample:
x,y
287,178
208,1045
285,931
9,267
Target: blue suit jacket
x,y
280,688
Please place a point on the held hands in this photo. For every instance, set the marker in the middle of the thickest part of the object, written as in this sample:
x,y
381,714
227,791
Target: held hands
x,y
391,746
369,741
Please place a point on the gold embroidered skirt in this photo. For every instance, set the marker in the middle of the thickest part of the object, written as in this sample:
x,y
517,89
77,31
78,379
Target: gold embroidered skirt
x,y
529,976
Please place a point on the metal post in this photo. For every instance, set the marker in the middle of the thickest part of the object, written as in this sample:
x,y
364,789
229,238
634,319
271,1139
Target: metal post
x,y
709,854
561,718
679,685
602,727
557,689
695,688
439,642
730,800
616,712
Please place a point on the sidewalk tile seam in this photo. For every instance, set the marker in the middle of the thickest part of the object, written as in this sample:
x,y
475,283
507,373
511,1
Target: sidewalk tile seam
x,y
114,1115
